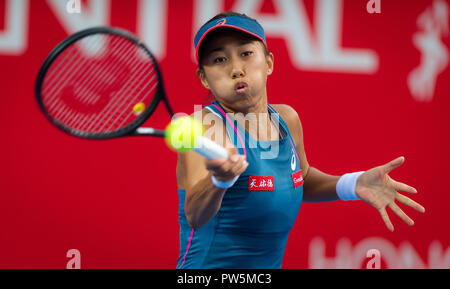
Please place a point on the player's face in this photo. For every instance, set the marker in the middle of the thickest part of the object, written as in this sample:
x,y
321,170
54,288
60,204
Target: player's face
x,y
235,69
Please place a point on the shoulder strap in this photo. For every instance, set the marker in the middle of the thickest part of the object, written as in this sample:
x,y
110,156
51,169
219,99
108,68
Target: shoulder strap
x,y
234,132
286,128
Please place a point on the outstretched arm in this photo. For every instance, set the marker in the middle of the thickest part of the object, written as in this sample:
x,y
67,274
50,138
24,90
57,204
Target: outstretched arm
x,y
319,187
374,186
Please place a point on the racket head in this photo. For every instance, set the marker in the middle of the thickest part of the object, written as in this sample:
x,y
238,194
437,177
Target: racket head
x,y
99,83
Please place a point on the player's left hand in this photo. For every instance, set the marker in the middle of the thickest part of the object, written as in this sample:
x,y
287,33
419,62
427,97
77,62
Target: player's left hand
x,y
376,188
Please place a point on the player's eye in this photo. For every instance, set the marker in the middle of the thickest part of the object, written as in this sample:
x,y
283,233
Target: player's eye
x,y
219,59
247,53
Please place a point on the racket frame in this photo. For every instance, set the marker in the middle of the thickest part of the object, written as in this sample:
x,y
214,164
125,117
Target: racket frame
x,y
132,129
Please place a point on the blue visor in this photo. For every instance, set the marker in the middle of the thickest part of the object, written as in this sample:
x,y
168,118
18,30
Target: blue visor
x,y
237,22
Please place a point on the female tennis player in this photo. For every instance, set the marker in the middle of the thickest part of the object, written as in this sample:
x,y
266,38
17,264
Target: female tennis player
x,y
237,213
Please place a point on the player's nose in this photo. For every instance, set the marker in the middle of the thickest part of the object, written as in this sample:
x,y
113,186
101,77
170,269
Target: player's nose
x,y
237,69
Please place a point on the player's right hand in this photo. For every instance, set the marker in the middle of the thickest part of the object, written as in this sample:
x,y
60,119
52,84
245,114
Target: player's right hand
x,y
226,170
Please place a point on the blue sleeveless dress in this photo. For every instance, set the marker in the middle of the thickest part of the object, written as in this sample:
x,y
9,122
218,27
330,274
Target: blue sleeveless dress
x,y
252,226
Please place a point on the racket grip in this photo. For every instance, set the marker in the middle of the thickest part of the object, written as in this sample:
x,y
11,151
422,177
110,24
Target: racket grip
x,y
210,149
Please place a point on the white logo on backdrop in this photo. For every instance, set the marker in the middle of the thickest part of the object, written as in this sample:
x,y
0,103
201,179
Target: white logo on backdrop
x,y
404,256
13,38
151,18
433,25
373,6
316,47
73,6
75,261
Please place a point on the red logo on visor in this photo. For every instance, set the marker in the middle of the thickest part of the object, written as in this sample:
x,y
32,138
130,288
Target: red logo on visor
x,y
221,22
260,183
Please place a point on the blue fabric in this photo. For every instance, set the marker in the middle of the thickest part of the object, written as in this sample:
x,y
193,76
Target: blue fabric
x,y
238,22
251,228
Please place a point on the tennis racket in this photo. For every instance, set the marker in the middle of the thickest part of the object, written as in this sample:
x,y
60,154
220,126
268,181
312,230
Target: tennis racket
x,y
103,83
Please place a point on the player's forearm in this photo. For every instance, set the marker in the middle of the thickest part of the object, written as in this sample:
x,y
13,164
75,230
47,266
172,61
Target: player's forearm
x,y
319,187
203,203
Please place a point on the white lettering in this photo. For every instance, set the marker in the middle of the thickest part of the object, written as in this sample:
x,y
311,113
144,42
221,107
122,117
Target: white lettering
x,y
152,23
75,262
405,257
374,6
437,258
13,40
97,15
203,11
73,6
291,23
388,251
375,261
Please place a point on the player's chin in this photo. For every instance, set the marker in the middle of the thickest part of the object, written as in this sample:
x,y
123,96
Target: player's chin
x,y
241,96
246,101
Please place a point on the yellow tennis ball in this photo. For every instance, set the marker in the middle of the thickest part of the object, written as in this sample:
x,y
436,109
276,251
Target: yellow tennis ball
x,y
139,108
182,132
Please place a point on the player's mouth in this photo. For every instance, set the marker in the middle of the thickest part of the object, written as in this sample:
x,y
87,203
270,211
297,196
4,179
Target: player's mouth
x,y
240,87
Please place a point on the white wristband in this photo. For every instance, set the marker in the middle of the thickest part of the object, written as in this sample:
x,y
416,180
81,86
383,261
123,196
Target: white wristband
x,y
345,187
223,185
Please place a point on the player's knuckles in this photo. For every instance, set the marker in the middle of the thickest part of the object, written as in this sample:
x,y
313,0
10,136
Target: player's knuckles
x,y
239,164
230,169
223,169
235,158
239,168
214,164
232,150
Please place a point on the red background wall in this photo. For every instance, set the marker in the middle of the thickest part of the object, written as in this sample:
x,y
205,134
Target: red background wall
x,y
116,201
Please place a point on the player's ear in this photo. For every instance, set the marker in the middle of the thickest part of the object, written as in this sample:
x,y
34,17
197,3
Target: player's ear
x,y
270,61
202,76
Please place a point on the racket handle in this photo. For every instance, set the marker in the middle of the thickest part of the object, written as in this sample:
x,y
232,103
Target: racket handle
x,y
210,149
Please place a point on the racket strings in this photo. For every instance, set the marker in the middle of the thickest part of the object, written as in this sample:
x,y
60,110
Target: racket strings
x,y
72,70
105,116
94,85
67,64
110,72
61,112
87,86
122,108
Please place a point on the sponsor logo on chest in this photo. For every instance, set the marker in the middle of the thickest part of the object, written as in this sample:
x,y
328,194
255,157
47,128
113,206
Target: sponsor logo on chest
x,y
261,183
297,178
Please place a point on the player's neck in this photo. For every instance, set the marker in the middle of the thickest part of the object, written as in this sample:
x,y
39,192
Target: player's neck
x,y
258,116
257,108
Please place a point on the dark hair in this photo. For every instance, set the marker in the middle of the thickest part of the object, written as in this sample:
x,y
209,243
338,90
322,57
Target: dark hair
x,y
218,16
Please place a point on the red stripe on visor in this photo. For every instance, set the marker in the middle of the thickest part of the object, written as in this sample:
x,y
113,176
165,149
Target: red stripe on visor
x,y
241,23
